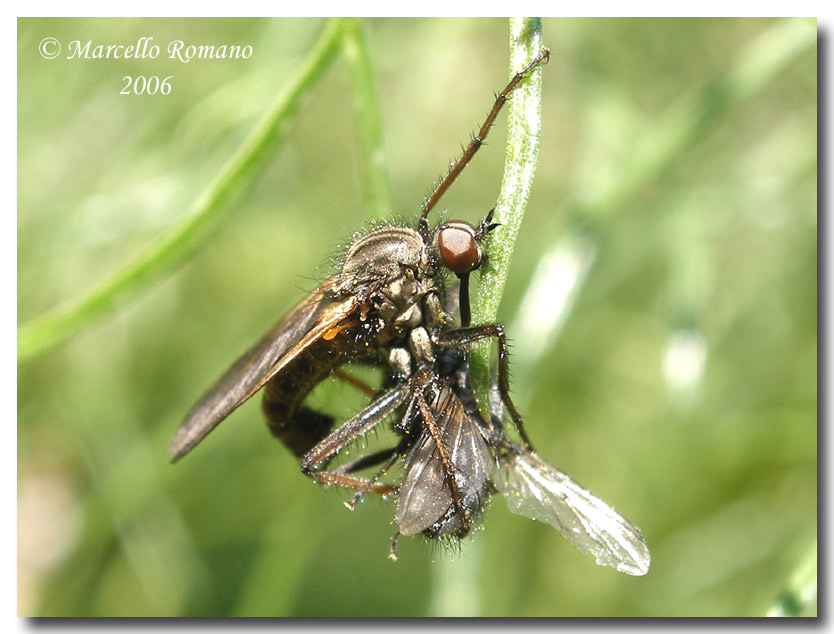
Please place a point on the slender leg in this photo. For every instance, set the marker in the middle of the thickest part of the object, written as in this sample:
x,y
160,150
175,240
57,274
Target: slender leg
x,y
353,381
478,140
317,459
443,452
395,453
392,554
352,482
363,462
466,336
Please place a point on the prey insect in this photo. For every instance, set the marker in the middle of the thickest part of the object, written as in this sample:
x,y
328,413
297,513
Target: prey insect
x,y
384,307
455,460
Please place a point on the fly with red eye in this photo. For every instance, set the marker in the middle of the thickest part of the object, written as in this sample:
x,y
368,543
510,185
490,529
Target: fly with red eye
x,y
383,308
459,244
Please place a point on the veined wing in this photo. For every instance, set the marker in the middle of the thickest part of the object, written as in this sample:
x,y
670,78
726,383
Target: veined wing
x,y
535,489
312,318
425,494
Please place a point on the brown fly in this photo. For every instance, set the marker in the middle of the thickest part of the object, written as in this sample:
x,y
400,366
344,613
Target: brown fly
x,y
384,307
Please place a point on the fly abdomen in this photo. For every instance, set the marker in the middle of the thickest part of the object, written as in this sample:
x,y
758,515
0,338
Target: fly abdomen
x,y
297,426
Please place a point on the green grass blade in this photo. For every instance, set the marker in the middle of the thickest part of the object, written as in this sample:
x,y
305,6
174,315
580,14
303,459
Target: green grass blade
x,y
374,164
211,208
523,133
456,591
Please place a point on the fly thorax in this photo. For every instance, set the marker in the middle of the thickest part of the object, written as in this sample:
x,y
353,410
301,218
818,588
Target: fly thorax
x,y
433,311
411,317
383,253
394,300
400,302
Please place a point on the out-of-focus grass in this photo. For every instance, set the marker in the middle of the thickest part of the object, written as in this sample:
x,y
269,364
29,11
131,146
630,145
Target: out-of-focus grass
x,y
171,249
799,597
680,383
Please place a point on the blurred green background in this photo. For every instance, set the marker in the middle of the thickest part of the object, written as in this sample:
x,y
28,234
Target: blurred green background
x,y
661,304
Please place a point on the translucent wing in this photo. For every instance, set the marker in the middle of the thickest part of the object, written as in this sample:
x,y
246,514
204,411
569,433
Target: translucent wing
x,y
535,489
308,321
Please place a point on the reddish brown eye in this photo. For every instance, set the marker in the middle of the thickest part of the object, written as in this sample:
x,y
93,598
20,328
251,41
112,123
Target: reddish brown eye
x,y
458,248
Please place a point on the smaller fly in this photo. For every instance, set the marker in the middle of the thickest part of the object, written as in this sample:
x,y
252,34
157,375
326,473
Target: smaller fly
x,y
458,460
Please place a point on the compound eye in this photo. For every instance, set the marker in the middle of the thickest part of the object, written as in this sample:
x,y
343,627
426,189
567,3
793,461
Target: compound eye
x,y
458,248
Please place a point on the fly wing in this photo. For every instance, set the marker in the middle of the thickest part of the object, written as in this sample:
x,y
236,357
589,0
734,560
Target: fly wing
x,y
535,489
425,495
313,317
